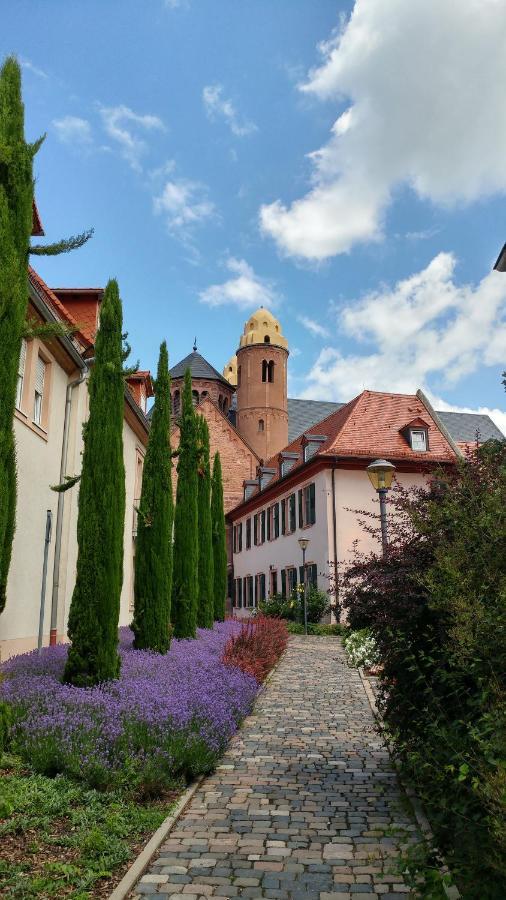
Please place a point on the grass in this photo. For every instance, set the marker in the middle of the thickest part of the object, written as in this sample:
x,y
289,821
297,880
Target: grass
x,y
61,839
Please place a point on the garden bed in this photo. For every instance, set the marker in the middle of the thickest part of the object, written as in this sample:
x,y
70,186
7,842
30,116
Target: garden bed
x,y
91,773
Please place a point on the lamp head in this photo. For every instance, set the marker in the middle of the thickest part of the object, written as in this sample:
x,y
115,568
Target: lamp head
x,y
303,543
380,474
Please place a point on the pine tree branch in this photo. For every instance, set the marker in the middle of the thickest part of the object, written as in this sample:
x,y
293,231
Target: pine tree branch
x,y
70,481
43,330
34,148
63,246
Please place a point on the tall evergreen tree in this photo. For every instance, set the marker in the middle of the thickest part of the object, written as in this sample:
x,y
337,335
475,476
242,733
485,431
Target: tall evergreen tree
x,y
185,566
94,612
16,197
205,609
219,541
16,218
153,555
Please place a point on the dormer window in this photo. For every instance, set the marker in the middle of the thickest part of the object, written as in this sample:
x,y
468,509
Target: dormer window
x,y
312,444
249,488
287,461
418,439
416,433
265,475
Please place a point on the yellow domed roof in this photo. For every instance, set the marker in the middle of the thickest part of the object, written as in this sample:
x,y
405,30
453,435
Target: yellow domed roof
x,y
263,328
230,371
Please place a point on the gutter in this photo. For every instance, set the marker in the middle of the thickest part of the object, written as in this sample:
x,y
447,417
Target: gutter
x,y
48,316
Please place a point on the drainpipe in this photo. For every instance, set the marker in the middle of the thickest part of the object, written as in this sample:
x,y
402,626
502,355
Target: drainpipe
x,y
334,536
61,502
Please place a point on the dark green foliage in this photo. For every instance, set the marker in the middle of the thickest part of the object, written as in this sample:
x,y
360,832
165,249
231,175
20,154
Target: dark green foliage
x,y
334,630
205,609
5,724
292,608
437,607
94,611
219,541
16,197
66,245
186,545
153,555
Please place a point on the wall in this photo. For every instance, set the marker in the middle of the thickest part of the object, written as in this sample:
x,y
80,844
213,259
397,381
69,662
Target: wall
x,y
285,551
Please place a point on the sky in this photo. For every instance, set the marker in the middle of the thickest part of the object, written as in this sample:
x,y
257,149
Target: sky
x,y
343,163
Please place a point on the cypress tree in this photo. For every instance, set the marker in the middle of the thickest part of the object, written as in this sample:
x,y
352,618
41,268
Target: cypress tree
x,y
94,612
205,611
16,198
153,556
185,566
16,219
219,541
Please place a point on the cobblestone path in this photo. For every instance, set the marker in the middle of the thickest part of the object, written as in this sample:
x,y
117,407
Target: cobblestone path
x,y
305,803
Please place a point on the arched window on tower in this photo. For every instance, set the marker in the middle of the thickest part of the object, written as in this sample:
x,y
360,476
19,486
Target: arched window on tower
x,y
239,376
195,398
220,402
225,406
270,372
265,366
176,403
261,425
267,339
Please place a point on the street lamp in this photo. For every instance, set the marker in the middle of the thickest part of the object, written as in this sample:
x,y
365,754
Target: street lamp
x,y
304,544
380,474
500,263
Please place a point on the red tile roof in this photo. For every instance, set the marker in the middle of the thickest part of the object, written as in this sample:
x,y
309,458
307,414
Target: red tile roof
x,y
37,227
56,305
83,304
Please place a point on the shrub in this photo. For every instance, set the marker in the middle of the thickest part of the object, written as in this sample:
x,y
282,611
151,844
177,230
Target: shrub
x,y
5,723
257,647
292,608
317,630
361,648
165,716
436,607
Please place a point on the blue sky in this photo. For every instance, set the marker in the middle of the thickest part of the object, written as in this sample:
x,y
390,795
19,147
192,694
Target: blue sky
x,y
344,163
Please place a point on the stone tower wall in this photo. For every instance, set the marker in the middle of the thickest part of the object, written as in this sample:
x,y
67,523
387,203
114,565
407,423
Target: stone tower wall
x,y
262,402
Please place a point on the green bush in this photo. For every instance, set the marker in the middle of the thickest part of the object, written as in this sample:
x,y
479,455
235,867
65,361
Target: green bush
x,y
335,630
436,605
292,608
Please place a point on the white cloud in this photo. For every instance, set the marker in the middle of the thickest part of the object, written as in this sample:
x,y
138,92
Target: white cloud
x,y
73,130
184,204
121,124
218,107
423,81
424,327
30,67
245,290
313,327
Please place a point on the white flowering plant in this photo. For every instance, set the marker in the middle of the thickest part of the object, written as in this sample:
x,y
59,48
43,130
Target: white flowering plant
x,y
361,649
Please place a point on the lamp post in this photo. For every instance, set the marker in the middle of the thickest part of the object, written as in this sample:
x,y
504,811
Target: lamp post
x,y
380,474
303,544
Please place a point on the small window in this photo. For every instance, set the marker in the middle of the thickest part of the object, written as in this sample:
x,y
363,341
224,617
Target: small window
x,y
40,374
270,372
418,440
267,339
264,370
261,425
176,403
21,374
195,398
248,534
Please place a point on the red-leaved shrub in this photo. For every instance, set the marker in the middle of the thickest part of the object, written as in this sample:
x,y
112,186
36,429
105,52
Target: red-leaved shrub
x,y
257,647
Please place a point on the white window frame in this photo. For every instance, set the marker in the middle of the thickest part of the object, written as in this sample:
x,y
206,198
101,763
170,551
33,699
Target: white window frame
x,y
21,373
38,392
419,433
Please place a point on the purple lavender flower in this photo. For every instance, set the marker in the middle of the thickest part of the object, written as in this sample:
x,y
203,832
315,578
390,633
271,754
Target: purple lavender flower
x,y
169,713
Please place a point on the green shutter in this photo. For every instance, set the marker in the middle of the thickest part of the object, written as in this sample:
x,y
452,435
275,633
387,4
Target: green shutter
x,y
255,529
240,537
283,517
312,574
268,524
301,574
301,514
293,520
312,504
262,520
283,582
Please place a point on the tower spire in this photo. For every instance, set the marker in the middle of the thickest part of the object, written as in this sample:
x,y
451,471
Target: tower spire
x,y
195,344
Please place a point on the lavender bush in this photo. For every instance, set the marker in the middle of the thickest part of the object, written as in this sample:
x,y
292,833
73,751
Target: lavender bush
x,y
165,717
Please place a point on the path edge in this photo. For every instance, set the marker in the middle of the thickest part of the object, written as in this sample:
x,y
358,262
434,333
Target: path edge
x,y
142,861
451,891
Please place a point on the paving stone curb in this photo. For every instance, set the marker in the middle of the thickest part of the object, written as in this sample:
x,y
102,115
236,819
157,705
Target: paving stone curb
x,y
142,861
452,892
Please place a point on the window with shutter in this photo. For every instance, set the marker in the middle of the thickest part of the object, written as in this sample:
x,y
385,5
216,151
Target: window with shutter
x,y
275,520
312,504
301,574
301,511
262,520
248,534
283,517
40,373
240,537
312,575
255,529
250,591
21,374
293,520
283,582
269,515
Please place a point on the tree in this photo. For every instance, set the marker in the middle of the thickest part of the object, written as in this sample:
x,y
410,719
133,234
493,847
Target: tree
x,y
185,571
205,607
16,218
94,611
219,541
153,555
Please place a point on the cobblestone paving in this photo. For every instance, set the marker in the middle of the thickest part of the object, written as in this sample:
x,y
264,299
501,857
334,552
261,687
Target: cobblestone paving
x,y
305,803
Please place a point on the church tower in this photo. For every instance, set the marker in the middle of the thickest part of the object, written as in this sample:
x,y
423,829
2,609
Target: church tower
x,y
262,405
